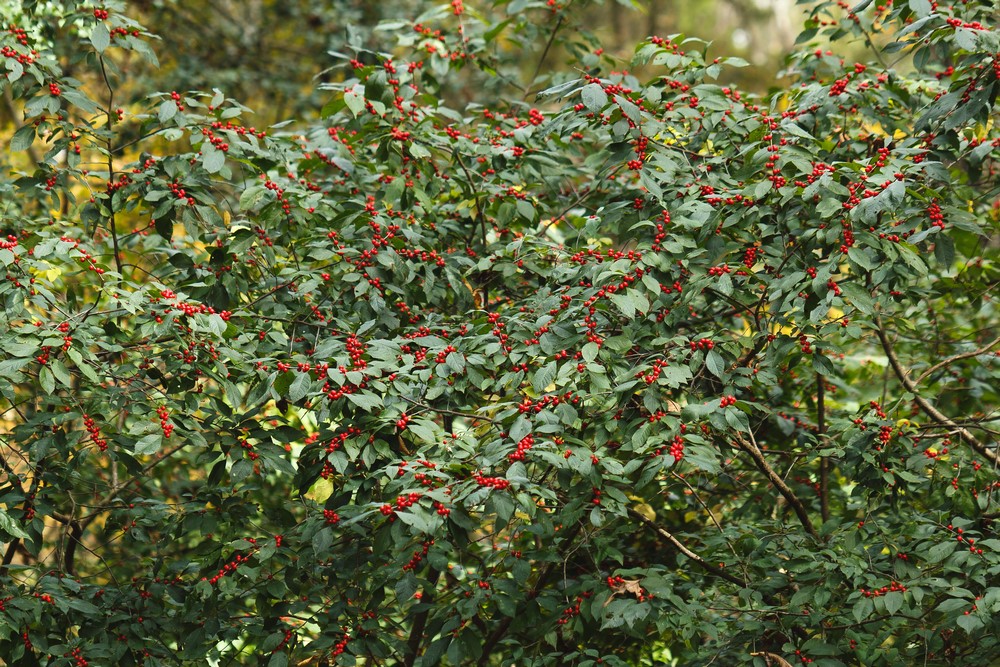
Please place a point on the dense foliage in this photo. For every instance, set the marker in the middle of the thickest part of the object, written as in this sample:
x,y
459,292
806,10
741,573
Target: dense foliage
x,y
628,370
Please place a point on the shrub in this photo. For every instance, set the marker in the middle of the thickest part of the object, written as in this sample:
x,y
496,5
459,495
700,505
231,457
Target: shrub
x,y
636,368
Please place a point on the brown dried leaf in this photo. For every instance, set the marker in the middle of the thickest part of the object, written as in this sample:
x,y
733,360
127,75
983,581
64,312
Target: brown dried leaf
x,y
772,659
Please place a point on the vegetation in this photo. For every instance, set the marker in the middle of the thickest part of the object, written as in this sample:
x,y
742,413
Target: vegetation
x,y
480,361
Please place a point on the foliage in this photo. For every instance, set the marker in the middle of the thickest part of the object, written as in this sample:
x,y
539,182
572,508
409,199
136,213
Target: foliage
x,y
640,372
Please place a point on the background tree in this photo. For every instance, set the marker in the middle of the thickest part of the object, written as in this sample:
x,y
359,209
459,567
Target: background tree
x,y
481,361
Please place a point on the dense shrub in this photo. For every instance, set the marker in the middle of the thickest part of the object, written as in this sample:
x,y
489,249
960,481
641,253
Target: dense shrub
x,y
636,369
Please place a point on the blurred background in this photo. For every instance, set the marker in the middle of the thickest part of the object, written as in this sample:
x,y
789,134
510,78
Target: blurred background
x,y
272,50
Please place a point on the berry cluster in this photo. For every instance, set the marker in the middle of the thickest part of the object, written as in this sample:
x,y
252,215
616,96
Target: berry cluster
x,y
22,37
95,433
229,567
77,656
251,454
528,406
964,539
402,502
337,441
165,424
215,140
879,592
403,420
523,446
653,375
574,609
935,216
418,556
702,344
498,483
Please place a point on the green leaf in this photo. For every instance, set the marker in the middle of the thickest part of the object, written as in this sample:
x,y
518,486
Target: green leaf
x,y
354,98
80,100
594,97
862,258
23,138
944,251
951,604
423,429
419,519
212,159
628,108
168,109
863,608
939,552
60,372
241,470
716,366
321,542
100,37
46,380
365,400
969,623
893,602
762,188
544,376
858,297
10,526
252,198
300,387
147,445
625,304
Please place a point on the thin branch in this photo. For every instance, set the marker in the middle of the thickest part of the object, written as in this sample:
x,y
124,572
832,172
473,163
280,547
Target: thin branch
x,y
543,579
956,357
545,52
778,483
705,565
924,404
824,462
112,223
443,411
420,622
15,116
